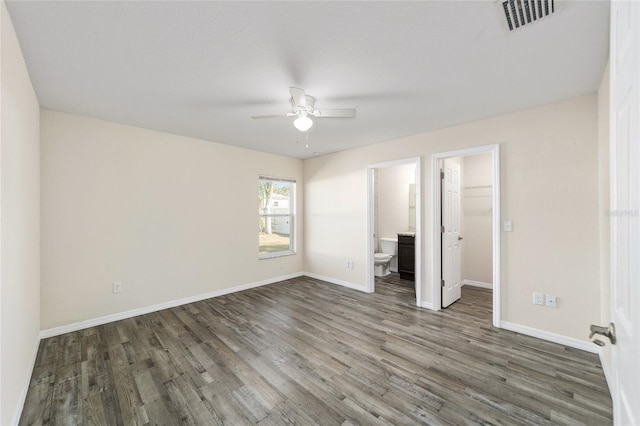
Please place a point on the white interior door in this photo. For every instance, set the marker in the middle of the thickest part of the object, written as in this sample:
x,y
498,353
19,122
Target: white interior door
x,y
451,289
625,205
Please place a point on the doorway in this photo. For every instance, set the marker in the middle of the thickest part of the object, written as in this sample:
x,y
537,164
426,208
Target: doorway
x,y
413,216
483,202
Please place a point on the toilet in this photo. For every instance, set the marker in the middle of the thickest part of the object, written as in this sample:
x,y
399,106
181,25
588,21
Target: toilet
x,y
382,261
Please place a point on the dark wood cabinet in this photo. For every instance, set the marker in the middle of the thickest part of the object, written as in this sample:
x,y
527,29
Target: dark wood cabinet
x,y
407,256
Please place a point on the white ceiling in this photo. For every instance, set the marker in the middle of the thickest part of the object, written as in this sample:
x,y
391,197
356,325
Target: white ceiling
x,y
202,69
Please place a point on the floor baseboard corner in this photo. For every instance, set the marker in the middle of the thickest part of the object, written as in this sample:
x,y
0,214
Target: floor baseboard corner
x,y
336,281
25,388
81,325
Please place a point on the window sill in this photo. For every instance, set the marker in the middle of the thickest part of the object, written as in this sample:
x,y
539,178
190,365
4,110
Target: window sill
x,y
276,254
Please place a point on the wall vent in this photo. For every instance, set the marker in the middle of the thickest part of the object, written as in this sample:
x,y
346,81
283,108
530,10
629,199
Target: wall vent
x,y
519,13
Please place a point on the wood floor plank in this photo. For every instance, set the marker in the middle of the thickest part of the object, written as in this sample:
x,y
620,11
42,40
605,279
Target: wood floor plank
x,y
38,394
128,396
221,403
304,351
93,410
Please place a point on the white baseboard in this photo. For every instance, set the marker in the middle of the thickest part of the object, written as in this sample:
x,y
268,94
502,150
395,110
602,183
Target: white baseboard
x,y
551,337
423,304
25,388
606,370
56,331
477,284
529,331
426,305
337,281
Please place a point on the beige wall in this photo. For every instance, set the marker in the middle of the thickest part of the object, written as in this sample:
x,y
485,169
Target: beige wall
x,y
19,224
603,168
168,216
393,199
549,166
477,246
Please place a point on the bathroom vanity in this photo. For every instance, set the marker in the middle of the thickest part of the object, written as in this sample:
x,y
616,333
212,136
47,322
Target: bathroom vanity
x,y
407,255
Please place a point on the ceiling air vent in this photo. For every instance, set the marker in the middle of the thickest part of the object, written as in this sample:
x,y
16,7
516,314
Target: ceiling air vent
x,y
522,12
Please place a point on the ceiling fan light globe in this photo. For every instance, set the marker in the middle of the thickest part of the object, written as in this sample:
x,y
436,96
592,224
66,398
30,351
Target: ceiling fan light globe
x,y
303,123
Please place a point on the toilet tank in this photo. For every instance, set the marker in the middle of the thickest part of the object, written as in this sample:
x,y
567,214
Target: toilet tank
x,y
389,245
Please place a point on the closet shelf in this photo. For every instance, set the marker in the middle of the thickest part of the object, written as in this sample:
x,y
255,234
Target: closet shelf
x,y
477,187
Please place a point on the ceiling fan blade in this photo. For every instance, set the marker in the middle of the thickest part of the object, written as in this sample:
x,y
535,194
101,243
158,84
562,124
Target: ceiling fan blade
x,y
335,113
270,116
299,97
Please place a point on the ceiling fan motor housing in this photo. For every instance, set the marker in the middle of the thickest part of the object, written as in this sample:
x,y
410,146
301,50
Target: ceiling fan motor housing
x,y
310,100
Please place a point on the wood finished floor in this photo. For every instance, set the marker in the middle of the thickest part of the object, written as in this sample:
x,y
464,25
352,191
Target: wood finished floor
x,y
306,352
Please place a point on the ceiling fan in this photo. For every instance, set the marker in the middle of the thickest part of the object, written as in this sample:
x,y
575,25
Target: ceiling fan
x,y
302,107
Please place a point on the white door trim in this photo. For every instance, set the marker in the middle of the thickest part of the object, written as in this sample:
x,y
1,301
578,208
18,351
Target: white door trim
x,y
436,203
370,207
624,145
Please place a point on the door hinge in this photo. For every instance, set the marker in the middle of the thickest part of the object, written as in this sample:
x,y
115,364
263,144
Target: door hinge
x,y
442,229
442,283
441,174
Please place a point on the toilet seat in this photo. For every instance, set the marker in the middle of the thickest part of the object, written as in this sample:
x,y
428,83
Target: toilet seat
x,y
381,264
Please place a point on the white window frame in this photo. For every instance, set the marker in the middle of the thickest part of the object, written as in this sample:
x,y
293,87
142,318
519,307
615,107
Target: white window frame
x,y
291,216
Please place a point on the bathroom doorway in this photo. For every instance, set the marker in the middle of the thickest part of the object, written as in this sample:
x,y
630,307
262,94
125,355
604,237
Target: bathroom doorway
x,y
466,203
402,217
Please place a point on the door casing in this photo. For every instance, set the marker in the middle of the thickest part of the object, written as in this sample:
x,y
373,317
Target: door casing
x,y
436,295
370,218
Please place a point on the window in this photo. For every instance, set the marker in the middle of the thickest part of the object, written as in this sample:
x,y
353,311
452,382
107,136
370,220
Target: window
x,y
275,216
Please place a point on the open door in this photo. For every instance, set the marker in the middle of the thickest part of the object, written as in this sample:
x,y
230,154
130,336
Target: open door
x,y
625,205
451,266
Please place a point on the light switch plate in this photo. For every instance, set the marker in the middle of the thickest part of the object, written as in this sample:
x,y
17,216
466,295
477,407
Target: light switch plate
x,y
507,226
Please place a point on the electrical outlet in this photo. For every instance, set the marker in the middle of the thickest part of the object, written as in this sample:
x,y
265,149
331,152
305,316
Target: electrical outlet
x,y
538,298
346,263
550,301
117,287
351,264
